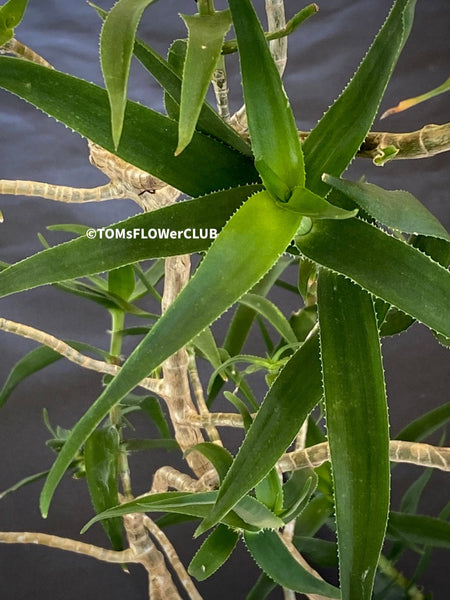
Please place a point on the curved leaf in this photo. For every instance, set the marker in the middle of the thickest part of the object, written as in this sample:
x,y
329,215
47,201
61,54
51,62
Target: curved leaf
x,y
355,395
394,208
85,256
278,563
383,265
337,137
206,35
213,552
271,124
272,313
424,426
148,138
220,458
295,392
116,50
261,229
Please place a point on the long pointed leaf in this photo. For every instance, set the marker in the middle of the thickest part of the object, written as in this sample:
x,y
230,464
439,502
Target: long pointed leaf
x,y
271,123
387,267
295,392
206,35
148,138
116,50
260,229
335,140
213,552
358,430
85,256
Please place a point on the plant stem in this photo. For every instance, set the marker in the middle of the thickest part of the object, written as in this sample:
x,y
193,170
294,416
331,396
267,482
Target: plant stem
x,y
205,7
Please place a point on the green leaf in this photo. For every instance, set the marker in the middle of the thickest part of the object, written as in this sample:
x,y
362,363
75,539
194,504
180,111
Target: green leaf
x,y
424,426
85,256
297,491
272,313
23,482
383,265
152,408
394,208
262,588
249,514
241,407
209,292
116,50
220,457
405,104
355,395
213,552
419,529
294,394
278,563
205,39
314,516
311,205
317,551
121,282
101,453
271,124
11,14
269,491
36,360
205,343
148,138
169,77
335,140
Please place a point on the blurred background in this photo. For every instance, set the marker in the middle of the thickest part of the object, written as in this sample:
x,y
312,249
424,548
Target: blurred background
x,y
323,54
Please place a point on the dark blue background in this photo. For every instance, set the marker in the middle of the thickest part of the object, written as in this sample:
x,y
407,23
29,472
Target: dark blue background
x,y
323,55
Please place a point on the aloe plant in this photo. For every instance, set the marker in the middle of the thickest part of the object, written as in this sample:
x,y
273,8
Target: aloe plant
x,y
265,206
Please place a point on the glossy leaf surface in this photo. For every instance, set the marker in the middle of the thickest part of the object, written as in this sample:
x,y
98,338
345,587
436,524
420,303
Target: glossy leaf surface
x,y
355,396
148,138
213,552
278,563
385,266
259,228
272,127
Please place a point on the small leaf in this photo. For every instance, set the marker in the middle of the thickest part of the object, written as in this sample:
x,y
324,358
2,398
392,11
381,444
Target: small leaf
x,y
213,552
269,491
297,491
241,407
23,482
152,408
11,14
311,205
101,454
205,343
425,425
217,455
272,313
405,104
275,426
355,395
278,563
387,267
116,50
34,361
206,35
394,208
419,529
271,123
